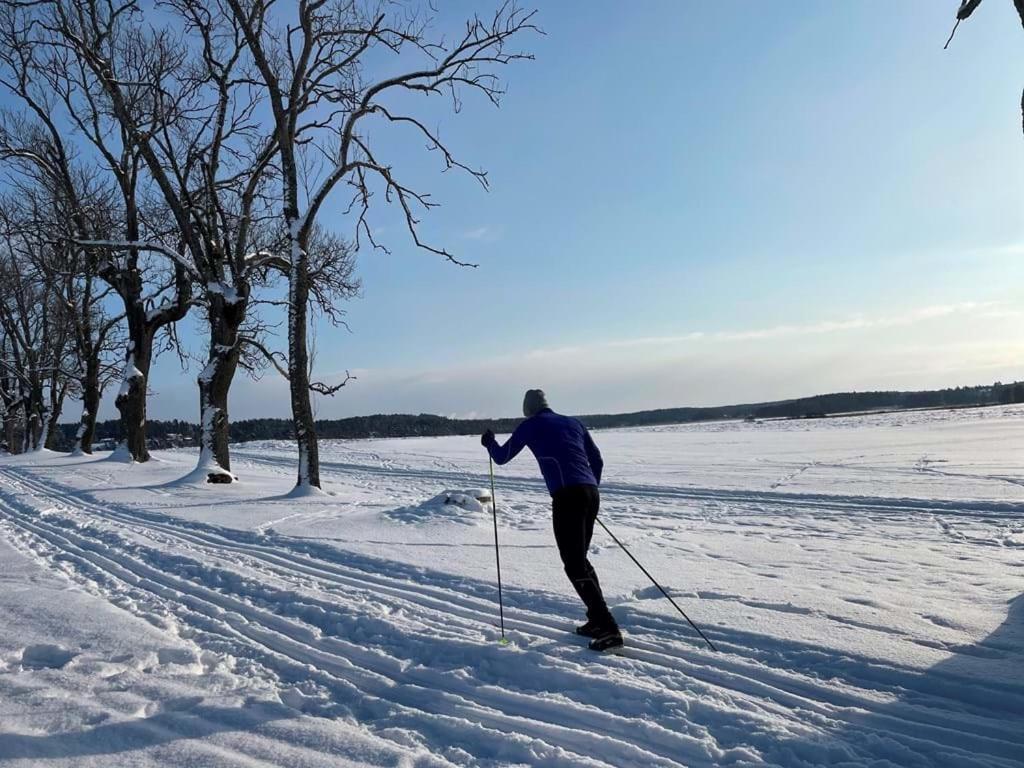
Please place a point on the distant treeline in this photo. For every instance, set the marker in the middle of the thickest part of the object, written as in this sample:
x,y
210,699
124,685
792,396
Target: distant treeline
x,y
175,433
846,402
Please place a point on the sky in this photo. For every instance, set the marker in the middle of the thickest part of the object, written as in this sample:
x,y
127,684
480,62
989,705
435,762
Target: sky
x,y
695,203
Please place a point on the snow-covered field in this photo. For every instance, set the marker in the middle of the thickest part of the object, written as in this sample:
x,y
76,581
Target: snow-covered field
x,y
861,577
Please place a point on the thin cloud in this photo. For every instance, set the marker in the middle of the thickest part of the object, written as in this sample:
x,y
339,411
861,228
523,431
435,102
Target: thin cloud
x,y
855,323
1012,249
935,345
858,322
479,233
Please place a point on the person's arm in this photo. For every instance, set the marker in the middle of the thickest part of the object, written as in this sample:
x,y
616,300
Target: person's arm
x,y
593,455
503,454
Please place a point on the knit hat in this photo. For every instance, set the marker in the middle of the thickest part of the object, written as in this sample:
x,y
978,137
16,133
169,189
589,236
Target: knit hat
x,y
534,402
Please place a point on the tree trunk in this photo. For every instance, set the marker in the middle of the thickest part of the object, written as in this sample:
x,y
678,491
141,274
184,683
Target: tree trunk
x,y
58,391
131,399
213,419
12,404
45,418
298,362
35,414
226,316
29,438
91,396
11,430
48,439
131,403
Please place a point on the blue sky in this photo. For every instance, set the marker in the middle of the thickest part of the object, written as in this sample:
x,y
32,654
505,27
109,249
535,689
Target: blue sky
x,y
699,203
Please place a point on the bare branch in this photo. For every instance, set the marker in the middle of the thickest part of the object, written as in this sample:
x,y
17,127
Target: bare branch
x,y
329,390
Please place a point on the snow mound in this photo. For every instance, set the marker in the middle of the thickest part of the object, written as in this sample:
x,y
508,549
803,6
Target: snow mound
x,y
201,475
306,492
121,454
474,499
467,507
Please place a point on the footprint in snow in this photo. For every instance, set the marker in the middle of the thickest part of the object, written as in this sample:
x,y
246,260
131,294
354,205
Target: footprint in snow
x,y
941,621
179,704
182,656
653,593
46,656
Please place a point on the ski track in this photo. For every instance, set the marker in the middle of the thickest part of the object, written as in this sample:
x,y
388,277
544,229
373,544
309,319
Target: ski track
x,y
412,652
821,503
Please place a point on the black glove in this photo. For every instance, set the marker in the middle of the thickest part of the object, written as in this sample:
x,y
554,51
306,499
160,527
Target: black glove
x,y
487,438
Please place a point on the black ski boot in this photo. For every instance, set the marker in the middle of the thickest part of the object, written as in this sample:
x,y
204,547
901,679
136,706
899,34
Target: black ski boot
x,y
590,629
606,639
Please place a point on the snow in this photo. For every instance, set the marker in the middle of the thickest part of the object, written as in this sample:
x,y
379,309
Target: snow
x,y
464,507
154,312
131,372
207,464
205,467
120,455
861,577
79,434
206,375
229,292
306,491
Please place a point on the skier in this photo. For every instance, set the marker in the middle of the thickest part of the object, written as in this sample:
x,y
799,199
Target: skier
x,y
571,465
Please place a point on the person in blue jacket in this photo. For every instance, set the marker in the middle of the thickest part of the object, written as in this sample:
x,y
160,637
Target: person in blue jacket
x,y
571,465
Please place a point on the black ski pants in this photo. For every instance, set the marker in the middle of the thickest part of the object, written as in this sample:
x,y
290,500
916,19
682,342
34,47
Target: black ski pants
x,y
574,511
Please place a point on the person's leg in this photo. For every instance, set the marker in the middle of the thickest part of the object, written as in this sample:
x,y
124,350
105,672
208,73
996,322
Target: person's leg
x,y
574,511
592,506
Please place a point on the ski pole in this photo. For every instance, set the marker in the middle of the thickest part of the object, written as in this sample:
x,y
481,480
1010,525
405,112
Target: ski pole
x,y
497,554
655,583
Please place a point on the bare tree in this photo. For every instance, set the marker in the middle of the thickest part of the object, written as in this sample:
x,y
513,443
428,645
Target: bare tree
x,y
35,327
967,7
178,93
175,117
79,296
129,234
10,393
190,116
94,331
310,61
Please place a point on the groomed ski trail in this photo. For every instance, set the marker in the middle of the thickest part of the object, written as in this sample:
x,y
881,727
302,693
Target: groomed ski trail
x,y
412,656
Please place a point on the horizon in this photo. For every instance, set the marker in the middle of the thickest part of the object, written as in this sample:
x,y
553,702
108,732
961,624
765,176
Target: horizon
x,y
580,414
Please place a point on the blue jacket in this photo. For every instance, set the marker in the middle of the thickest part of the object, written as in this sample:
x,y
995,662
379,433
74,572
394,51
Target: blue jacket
x,y
564,449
